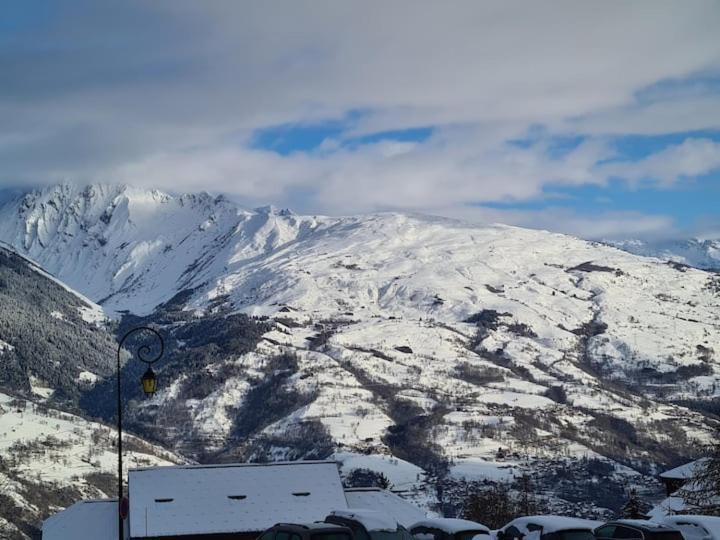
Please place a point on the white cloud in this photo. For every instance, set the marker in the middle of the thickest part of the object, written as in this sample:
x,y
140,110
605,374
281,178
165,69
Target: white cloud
x,y
601,226
169,94
691,158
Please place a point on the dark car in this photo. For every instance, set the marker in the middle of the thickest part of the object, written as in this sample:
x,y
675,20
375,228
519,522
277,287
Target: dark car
x,y
548,528
636,529
369,525
307,531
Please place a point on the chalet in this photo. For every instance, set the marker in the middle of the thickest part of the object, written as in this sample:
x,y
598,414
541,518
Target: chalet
x,y
676,478
222,502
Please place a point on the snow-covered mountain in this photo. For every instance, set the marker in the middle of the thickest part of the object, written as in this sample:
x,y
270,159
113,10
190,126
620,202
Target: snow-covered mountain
x,y
54,345
438,350
704,254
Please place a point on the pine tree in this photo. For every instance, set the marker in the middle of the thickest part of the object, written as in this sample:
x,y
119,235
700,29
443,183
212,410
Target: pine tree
x,y
632,509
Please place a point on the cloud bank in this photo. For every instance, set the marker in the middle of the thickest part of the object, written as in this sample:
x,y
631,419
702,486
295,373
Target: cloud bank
x,y
173,93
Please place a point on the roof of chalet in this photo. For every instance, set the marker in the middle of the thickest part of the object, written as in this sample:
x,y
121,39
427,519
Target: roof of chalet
x,y
373,498
96,519
208,499
683,472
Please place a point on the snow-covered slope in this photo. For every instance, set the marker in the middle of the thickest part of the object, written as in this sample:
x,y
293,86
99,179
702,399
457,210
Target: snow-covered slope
x,y
704,254
52,339
49,458
131,249
460,351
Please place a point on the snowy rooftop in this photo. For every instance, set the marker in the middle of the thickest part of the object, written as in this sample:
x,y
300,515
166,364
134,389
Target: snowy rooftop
x,y
95,519
451,525
166,501
553,523
401,510
683,472
372,520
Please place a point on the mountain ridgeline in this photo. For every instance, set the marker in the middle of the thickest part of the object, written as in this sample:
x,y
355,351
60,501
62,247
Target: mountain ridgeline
x,y
447,354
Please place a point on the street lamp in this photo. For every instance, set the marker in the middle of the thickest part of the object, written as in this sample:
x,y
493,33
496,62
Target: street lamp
x,y
149,386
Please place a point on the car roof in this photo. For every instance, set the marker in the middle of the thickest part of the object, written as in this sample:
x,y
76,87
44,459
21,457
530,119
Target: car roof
x,y
372,520
554,523
316,526
450,525
641,524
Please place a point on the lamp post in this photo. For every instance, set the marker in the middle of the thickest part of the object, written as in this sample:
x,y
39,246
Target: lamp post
x,y
149,385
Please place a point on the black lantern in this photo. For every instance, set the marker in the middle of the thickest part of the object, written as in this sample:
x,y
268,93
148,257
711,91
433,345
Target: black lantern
x,y
149,382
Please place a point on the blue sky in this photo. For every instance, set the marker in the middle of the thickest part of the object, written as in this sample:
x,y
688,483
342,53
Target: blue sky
x,y
601,120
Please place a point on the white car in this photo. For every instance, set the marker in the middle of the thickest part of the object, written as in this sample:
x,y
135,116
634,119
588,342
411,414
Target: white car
x,y
448,529
548,528
694,527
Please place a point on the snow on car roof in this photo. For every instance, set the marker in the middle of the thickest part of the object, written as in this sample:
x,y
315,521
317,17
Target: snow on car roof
x,y
552,524
643,523
403,511
184,500
683,472
316,525
96,519
451,525
372,520
710,523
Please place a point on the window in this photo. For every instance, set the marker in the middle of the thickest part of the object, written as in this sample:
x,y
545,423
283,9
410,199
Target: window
x,y
282,535
625,533
576,535
295,536
269,535
605,532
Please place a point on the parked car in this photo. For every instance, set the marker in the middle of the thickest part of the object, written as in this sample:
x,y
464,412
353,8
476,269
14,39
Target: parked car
x,y
636,529
447,529
369,525
548,528
694,527
307,531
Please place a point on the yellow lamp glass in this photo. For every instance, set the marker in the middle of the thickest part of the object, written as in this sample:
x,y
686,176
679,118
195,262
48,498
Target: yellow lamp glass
x,y
149,382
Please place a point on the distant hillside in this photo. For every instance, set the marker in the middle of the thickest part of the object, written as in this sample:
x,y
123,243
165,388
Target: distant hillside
x,y
50,336
703,254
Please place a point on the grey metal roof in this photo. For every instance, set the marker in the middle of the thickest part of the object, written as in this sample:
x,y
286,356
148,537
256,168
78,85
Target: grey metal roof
x,y
207,499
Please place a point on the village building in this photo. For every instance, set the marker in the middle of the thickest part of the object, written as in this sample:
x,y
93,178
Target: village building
x,y
222,502
676,478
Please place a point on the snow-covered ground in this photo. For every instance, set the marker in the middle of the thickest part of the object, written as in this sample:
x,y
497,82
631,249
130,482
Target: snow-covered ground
x,y
43,449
